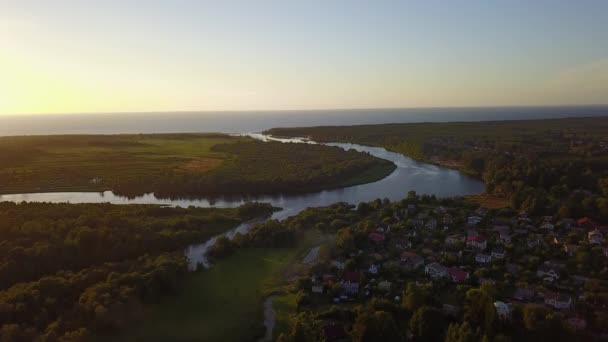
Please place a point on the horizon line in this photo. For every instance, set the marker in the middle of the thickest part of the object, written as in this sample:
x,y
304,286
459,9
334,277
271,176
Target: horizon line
x,y
309,110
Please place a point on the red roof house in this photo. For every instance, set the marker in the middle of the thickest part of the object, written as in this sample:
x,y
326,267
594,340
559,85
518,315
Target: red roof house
x,y
458,275
377,237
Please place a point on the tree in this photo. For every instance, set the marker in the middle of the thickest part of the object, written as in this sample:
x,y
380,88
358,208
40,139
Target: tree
x,y
427,324
479,308
375,326
345,240
414,296
460,333
303,327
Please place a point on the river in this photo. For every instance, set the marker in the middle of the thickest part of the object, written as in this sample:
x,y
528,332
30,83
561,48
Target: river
x,y
409,175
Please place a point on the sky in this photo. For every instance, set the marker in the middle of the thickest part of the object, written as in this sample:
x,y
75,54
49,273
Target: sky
x,y
119,56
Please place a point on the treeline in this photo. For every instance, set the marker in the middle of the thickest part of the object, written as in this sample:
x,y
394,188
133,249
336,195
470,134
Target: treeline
x,y
266,168
67,270
541,165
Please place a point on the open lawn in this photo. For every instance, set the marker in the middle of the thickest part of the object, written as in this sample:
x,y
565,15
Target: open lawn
x,y
223,303
96,162
179,165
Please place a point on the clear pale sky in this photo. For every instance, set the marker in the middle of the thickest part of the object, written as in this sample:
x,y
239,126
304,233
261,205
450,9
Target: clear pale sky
x,y
104,56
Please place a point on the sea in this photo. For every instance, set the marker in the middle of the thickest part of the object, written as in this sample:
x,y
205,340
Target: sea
x,y
257,121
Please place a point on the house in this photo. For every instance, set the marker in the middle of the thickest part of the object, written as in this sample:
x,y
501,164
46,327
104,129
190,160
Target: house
x,y
457,275
402,243
477,242
474,220
351,281
436,271
454,240
317,288
377,237
498,253
384,286
411,261
577,323
483,258
338,263
505,238
523,294
373,269
558,301
503,310
586,222
595,237
547,272
431,224
547,226
448,219
532,242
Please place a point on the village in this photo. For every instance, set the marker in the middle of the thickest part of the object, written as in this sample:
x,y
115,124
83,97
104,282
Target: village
x,y
559,264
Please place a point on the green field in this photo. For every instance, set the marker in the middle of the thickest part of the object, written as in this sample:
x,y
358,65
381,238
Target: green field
x,y
221,304
71,163
178,165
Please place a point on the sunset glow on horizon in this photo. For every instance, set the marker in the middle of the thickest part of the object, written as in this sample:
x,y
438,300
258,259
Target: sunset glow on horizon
x,y
121,56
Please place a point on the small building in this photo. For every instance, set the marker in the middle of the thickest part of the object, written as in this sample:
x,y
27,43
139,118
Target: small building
x,y
577,323
431,224
547,272
595,237
498,253
503,310
533,242
377,238
411,261
523,294
436,271
474,220
317,288
338,263
483,258
504,238
373,269
477,242
547,226
458,275
351,282
454,240
558,301
384,286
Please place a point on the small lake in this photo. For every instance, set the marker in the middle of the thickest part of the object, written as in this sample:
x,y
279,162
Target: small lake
x,y
409,175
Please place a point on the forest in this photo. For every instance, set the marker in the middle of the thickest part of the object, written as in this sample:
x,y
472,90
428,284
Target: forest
x,y
539,165
179,165
69,271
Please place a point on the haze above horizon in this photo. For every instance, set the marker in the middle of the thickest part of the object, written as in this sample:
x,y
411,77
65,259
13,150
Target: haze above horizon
x,y
124,56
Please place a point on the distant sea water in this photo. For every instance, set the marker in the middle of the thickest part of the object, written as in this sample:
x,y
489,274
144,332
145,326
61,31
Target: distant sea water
x,y
256,121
